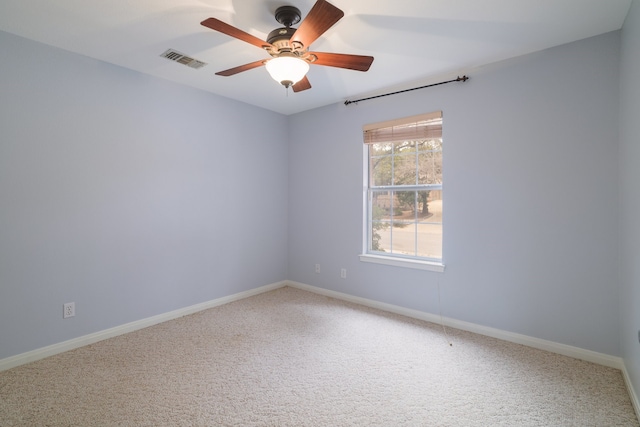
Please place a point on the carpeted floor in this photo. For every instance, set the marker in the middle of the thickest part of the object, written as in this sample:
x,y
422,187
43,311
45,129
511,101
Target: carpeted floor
x,y
294,358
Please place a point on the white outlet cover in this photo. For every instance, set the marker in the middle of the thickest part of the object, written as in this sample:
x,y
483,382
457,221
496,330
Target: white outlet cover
x,y
69,310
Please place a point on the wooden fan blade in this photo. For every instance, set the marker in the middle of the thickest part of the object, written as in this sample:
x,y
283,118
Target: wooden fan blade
x,y
340,60
241,68
302,85
321,17
230,30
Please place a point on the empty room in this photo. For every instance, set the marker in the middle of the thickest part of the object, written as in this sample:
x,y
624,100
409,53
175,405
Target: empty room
x,y
320,213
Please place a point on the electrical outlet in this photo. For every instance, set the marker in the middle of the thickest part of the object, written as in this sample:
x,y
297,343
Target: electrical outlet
x,y
69,310
317,268
343,273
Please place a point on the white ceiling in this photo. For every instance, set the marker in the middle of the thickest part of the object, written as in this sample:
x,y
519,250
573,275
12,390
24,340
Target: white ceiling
x,y
413,41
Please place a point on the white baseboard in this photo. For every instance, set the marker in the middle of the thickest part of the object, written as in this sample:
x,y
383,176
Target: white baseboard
x,y
632,393
554,347
41,353
575,352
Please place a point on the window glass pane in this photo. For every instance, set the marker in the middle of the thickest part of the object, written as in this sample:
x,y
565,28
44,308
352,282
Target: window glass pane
x,y
380,149
430,145
405,167
382,205
380,236
430,163
380,165
404,223
406,204
419,205
429,229
429,240
434,206
404,237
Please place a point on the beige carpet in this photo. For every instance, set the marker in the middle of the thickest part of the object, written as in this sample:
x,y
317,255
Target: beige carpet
x,y
293,358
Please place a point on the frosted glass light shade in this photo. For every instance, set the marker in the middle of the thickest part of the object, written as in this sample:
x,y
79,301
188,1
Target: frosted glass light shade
x,y
287,70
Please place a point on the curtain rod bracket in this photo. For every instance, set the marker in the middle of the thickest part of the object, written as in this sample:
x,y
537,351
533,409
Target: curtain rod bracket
x,y
458,79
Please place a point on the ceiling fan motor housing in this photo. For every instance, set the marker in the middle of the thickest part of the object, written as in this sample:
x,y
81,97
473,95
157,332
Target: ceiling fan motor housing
x,y
288,15
279,38
279,35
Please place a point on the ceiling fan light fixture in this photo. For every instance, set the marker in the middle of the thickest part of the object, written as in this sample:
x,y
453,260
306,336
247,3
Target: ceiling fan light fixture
x,y
287,70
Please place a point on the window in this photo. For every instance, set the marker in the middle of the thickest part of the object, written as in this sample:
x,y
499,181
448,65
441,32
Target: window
x,y
403,201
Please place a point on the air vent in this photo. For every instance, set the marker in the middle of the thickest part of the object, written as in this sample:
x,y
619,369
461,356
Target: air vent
x,y
176,56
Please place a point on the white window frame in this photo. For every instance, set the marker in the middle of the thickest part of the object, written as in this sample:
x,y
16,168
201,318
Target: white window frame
x,y
397,260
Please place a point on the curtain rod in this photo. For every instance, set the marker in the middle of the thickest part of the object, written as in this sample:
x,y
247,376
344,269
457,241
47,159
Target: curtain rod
x,y
459,79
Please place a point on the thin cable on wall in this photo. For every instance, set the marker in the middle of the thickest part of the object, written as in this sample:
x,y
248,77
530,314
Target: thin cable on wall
x,y
458,79
441,319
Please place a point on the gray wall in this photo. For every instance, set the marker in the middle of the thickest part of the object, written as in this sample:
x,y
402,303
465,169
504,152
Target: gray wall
x,y
630,195
530,197
133,196
127,194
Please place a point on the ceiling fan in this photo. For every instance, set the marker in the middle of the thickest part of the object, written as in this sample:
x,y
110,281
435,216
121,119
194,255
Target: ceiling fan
x,y
289,47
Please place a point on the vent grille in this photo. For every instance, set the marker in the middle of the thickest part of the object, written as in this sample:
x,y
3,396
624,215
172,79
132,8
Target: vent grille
x,y
181,58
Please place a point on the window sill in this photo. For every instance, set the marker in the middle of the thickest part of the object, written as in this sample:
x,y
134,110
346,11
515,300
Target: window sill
x,y
402,262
